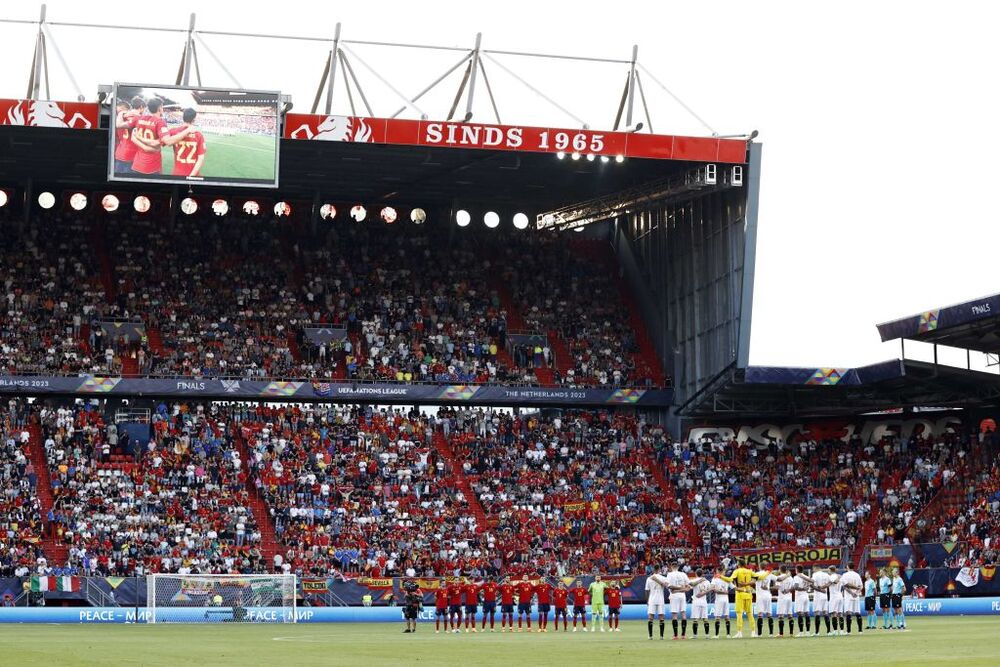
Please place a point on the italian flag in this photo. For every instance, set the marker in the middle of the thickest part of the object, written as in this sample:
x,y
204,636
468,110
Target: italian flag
x,y
42,584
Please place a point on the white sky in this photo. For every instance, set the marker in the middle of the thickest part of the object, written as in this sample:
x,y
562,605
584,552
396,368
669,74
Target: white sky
x,y
876,119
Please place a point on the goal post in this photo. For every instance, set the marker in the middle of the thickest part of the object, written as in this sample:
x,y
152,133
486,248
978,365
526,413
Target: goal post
x,y
220,598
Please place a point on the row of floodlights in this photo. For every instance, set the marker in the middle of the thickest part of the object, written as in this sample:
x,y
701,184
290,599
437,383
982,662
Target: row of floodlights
x,y
78,201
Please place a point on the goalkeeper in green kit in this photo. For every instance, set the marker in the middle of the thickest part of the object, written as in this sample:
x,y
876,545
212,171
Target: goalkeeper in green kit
x,y
596,591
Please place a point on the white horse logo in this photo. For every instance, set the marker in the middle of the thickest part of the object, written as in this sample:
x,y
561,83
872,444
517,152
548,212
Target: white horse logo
x,y
43,114
336,128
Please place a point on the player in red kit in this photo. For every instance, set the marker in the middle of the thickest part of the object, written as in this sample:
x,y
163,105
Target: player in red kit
x,y
489,593
615,607
470,593
128,114
543,590
559,596
507,605
455,605
189,154
525,591
441,607
579,595
149,136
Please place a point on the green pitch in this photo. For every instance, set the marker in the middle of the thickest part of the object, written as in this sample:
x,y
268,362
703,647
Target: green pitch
x,y
240,156
955,640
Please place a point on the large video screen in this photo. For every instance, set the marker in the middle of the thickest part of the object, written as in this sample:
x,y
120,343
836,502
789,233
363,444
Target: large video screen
x,y
172,134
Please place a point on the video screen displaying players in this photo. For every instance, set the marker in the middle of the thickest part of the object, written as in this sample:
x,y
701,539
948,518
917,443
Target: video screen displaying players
x,y
170,134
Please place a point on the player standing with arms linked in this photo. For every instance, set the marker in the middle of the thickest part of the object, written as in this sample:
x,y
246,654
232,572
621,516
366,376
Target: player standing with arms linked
x,y
853,591
525,591
699,603
470,594
743,578
543,589
507,606
489,592
596,590
763,605
786,583
721,588
655,602
560,597
614,607
579,595
678,584
441,607
455,605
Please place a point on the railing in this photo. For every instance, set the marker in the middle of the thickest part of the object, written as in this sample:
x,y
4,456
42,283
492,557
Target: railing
x,y
95,596
133,415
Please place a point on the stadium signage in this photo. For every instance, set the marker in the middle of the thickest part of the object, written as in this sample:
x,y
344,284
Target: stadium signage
x,y
356,129
766,557
44,113
383,614
84,385
405,132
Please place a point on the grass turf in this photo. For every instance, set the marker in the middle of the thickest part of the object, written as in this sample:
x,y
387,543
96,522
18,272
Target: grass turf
x,y
951,640
237,157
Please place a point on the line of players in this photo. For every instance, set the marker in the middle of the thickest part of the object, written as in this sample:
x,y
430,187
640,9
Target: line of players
x,y
836,597
457,604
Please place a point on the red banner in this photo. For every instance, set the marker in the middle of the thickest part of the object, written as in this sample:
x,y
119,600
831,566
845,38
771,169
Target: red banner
x,y
41,113
521,138
512,138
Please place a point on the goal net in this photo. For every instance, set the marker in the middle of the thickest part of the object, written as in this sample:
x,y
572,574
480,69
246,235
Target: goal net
x,y
220,598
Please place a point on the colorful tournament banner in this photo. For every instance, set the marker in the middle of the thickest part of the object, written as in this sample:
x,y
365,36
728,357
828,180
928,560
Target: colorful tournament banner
x,y
764,558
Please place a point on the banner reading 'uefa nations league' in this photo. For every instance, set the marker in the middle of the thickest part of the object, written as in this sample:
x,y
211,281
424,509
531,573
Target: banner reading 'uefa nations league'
x,y
169,134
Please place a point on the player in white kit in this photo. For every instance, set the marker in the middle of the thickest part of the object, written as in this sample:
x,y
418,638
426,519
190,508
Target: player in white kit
x,y
699,603
854,590
836,602
677,585
655,602
803,584
786,583
763,605
720,609
821,598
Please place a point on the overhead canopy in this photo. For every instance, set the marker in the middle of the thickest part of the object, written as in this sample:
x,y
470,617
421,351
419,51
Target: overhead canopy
x,y
973,325
827,392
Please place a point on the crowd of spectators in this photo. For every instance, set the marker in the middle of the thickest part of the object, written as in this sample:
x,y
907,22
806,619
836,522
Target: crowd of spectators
x,y
234,300
383,492
51,291
568,493
562,293
177,503
20,509
362,491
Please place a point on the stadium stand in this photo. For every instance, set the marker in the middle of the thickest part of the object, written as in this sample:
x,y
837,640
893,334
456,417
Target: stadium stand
x,y
214,300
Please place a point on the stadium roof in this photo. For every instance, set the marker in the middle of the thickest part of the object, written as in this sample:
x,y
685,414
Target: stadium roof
x,y
973,325
762,391
415,175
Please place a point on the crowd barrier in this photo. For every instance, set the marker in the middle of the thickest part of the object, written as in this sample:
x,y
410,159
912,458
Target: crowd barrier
x,y
912,607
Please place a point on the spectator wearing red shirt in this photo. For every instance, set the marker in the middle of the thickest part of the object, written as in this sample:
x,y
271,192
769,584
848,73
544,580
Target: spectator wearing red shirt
x,y
441,607
579,595
525,591
543,590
